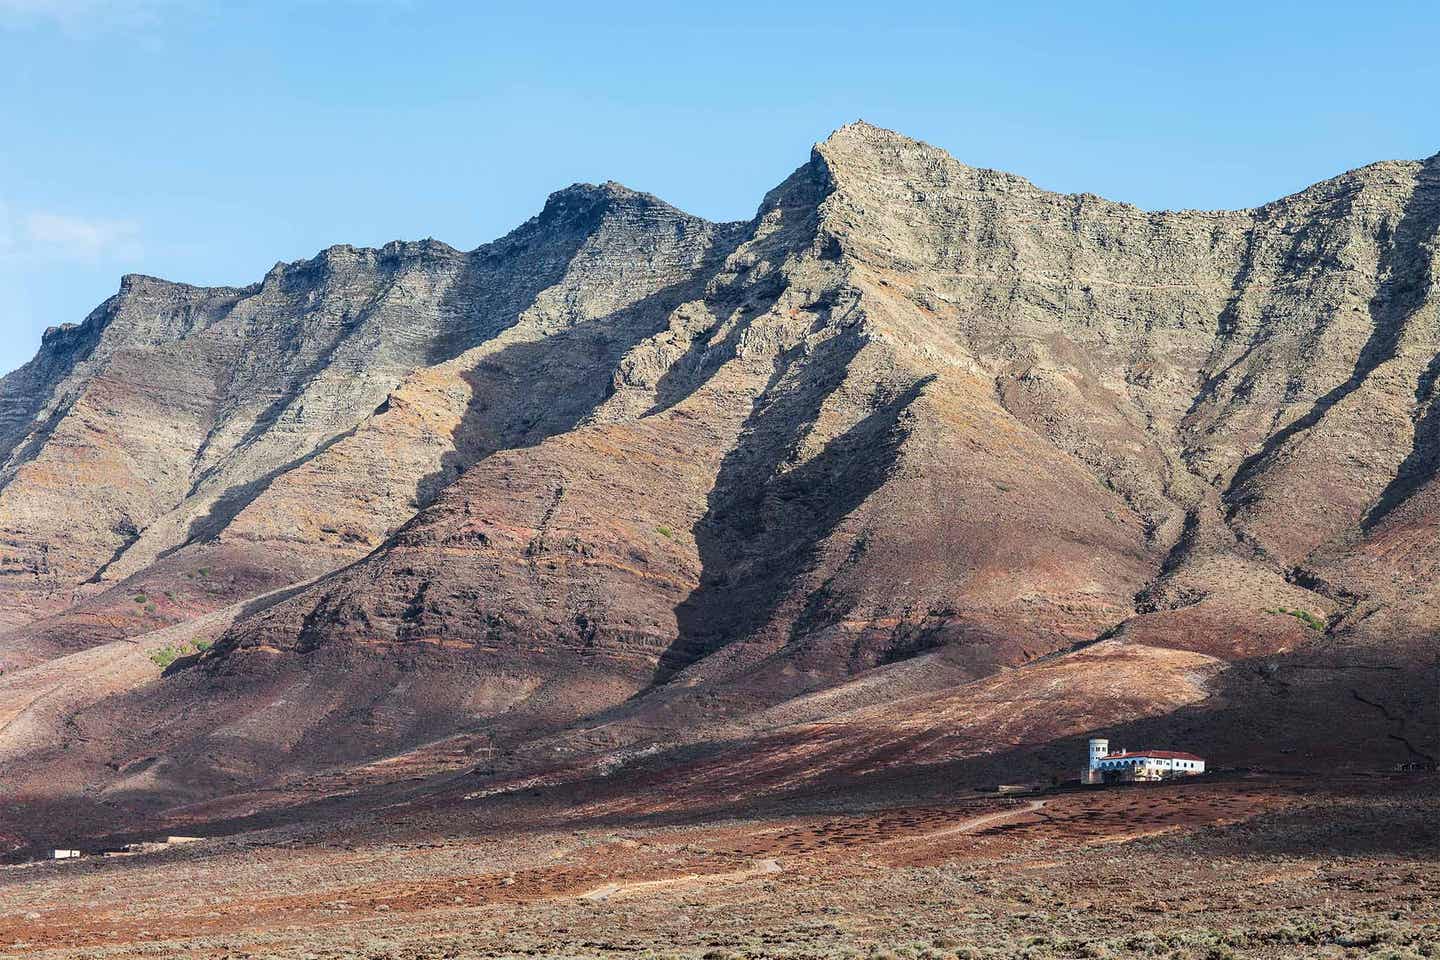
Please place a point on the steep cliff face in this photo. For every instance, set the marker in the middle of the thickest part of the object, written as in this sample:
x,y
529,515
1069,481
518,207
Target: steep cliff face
x,y
894,455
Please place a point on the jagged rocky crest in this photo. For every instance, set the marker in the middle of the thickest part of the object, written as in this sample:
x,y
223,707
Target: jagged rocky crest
x,y
626,476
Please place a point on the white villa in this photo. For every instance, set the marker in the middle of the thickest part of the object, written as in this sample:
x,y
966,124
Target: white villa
x,y
1124,765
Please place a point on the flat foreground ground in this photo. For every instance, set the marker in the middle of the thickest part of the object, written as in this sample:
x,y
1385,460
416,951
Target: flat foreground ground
x,y
1217,868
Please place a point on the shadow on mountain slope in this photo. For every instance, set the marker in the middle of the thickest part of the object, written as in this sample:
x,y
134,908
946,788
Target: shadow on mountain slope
x,y
474,297
1403,273
509,408
791,216
763,526
1275,714
229,504
1423,460
36,383
1421,464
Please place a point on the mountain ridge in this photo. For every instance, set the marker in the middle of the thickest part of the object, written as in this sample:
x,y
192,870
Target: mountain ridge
x,y
625,479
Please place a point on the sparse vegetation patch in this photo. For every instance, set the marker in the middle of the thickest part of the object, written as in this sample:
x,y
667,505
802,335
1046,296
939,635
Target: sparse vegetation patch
x,y
1304,616
167,655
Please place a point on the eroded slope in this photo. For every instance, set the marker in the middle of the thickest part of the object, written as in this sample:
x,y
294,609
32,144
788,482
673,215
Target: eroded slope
x,y
904,446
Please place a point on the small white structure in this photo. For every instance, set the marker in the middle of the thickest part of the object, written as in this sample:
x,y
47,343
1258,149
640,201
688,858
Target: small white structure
x,y
65,854
1124,765
1099,747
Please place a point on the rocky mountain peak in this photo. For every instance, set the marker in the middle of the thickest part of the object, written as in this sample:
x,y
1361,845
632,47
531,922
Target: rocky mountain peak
x,y
582,199
859,135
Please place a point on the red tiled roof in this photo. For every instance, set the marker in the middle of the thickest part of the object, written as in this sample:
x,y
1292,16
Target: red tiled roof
x,y
1155,754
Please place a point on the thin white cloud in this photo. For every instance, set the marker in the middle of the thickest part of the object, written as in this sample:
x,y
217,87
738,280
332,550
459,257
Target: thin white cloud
x,y
62,237
7,231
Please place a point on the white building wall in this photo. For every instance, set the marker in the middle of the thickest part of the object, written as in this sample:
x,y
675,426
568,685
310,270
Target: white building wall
x,y
1152,765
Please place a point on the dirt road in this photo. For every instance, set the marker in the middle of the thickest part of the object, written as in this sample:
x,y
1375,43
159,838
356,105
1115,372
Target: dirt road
x,y
968,826
767,866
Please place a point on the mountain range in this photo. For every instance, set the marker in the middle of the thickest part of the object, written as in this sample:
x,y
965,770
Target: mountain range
x,y
920,476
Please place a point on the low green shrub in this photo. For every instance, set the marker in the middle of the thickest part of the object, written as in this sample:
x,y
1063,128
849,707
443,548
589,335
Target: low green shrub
x,y
1304,616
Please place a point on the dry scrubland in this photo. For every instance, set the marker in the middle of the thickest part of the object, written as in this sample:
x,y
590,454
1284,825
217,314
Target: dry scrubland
x,y
1265,867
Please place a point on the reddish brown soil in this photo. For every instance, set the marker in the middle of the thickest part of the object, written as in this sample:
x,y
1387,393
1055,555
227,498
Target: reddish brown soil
x,y
1208,858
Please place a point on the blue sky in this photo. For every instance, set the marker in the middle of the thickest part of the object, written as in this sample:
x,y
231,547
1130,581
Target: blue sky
x,y
203,141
